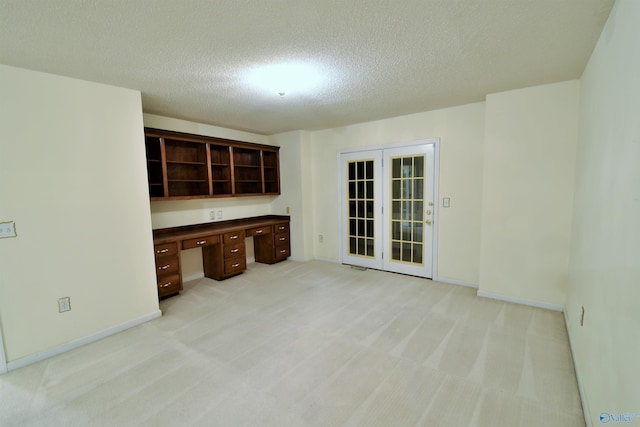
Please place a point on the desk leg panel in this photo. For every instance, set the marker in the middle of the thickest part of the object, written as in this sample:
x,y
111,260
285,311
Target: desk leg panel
x,y
213,262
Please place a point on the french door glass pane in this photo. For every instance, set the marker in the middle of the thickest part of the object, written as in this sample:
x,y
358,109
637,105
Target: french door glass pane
x,y
396,168
417,253
418,208
418,166
396,209
369,208
407,204
361,208
395,189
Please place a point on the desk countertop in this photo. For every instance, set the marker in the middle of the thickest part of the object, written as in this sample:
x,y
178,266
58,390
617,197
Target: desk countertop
x,y
172,234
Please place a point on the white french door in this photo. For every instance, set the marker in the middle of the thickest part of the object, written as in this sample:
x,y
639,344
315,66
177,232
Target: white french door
x,y
409,206
388,208
361,207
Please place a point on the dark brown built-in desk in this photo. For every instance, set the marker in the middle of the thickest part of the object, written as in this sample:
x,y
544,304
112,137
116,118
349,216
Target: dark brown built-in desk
x,y
223,248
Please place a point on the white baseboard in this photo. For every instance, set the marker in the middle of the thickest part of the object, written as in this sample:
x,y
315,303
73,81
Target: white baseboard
x,y
583,396
42,355
456,282
523,301
333,261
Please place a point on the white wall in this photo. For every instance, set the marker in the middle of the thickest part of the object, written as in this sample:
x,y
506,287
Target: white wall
x,y
527,193
605,252
296,189
73,178
461,131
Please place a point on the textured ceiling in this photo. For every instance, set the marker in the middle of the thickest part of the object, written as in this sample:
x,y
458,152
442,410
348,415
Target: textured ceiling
x,y
380,58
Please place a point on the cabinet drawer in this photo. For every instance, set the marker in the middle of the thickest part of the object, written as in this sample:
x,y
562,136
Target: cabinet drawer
x,y
234,250
283,252
235,265
169,285
259,231
167,265
282,239
233,237
170,248
282,227
200,241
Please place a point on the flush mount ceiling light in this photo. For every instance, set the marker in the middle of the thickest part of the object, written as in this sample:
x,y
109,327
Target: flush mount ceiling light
x,y
287,78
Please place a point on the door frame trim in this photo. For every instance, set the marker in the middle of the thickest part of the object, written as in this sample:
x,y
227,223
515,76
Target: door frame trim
x,y
436,193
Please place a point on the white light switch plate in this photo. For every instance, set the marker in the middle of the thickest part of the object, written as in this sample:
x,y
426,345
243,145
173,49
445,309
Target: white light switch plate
x,y
7,229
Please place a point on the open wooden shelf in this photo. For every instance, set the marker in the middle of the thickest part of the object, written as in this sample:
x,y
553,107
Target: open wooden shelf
x,y
183,166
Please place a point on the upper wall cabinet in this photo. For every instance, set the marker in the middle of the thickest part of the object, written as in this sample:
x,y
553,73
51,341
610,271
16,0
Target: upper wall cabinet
x,y
184,166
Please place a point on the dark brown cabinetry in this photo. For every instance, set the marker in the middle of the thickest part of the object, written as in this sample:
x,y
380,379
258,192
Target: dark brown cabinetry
x,y
227,258
271,171
184,166
247,168
168,268
274,245
223,247
154,166
221,176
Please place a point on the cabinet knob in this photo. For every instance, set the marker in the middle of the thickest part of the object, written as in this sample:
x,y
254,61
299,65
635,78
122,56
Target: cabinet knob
x,y
235,265
166,285
164,267
233,251
234,237
282,239
201,242
162,251
258,231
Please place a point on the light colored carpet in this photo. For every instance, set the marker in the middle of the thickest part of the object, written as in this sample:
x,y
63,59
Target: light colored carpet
x,y
312,344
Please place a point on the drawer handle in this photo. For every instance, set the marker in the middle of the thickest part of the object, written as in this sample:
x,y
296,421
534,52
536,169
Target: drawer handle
x,y
166,285
162,251
201,242
164,267
258,231
233,251
237,264
282,239
234,237
283,251
281,227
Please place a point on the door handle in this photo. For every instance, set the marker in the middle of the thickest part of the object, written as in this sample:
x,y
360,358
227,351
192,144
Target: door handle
x,y
428,222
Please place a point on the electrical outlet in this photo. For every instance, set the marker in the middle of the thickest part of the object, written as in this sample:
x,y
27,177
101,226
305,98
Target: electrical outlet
x,y
288,209
320,238
219,214
64,304
212,215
